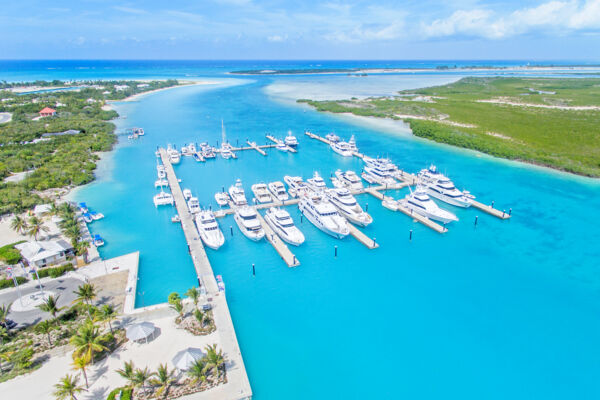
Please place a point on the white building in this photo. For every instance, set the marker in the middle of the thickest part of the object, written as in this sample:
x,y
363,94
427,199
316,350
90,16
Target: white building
x,y
44,253
121,87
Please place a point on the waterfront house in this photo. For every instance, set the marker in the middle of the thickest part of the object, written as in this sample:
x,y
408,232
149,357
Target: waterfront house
x,y
45,253
47,112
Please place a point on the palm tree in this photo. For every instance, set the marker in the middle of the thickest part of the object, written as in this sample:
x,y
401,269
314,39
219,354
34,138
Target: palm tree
x,y
66,210
85,293
3,335
67,388
128,372
108,314
82,248
81,363
18,224
197,371
141,377
199,316
54,209
193,294
36,226
214,359
178,306
4,310
50,305
163,379
88,340
45,327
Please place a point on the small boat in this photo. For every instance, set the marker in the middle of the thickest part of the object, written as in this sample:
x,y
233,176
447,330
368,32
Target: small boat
x,y
291,141
389,203
419,202
175,218
316,183
283,225
342,148
261,193
324,216
347,206
332,137
96,216
193,205
191,149
226,153
98,241
198,157
248,222
296,186
281,146
238,196
187,193
209,230
337,183
185,151
138,131
87,217
83,207
349,179
161,174
175,158
163,199
222,198
278,191
220,283
161,183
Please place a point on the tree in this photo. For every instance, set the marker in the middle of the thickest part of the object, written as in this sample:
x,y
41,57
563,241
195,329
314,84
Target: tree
x,y
3,335
197,371
86,293
173,298
67,388
163,378
50,305
199,316
88,340
18,224
141,377
45,327
82,249
108,314
214,359
4,311
36,226
178,306
81,363
194,294
128,372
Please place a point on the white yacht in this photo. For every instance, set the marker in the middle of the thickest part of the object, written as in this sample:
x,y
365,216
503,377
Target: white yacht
x,y
419,202
290,140
382,163
193,205
222,198
187,193
278,191
209,231
161,174
248,222
281,146
324,216
440,187
342,148
191,148
352,144
377,175
283,225
389,203
316,183
226,149
163,199
226,152
332,137
349,179
347,206
175,158
185,151
296,186
208,153
238,196
261,193
161,183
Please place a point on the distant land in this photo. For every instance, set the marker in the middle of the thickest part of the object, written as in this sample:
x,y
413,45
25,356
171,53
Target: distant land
x,y
554,122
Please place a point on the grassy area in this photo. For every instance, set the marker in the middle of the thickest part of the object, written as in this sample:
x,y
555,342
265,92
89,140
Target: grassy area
x,y
566,139
62,160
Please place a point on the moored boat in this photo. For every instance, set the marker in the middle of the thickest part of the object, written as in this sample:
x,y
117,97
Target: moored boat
x,y
247,220
418,201
348,207
278,191
209,230
282,224
261,193
324,216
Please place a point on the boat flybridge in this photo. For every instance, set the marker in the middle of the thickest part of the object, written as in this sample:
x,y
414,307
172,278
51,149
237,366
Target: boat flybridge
x,y
324,215
163,199
238,196
174,155
296,186
347,206
332,137
278,191
439,186
209,230
193,205
187,193
316,183
419,202
261,193
349,179
222,198
247,220
283,225
377,175
352,144
281,146
290,140
342,148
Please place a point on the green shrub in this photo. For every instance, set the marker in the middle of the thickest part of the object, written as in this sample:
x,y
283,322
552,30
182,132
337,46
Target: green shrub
x,y
56,271
174,298
9,254
6,283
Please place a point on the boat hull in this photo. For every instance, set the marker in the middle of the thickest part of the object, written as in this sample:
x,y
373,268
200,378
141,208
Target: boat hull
x,y
250,235
312,219
448,199
293,241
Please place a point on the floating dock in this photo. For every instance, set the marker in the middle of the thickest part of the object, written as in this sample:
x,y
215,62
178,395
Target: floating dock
x,y
361,237
491,210
290,149
282,249
257,148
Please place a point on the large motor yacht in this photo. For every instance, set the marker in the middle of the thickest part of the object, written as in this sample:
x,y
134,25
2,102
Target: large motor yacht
x,y
290,140
440,187
222,198
238,196
349,179
296,186
342,148
187,194
347,206
278,191
316,183
163,199
248,222
378,174
324,216
419,202
261,193
193,205
283,225
209,231
332,137
352,144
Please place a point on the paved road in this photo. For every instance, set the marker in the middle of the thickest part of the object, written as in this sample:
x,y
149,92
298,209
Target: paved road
x,y
64,287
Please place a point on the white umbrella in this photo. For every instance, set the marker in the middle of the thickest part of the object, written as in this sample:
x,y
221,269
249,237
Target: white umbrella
x,y
185,358
140,331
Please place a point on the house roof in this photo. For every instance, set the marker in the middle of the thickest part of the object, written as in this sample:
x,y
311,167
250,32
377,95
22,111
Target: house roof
x,y
47,110
35,251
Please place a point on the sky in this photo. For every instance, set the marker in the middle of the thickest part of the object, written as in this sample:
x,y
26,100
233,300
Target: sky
x,y
306,29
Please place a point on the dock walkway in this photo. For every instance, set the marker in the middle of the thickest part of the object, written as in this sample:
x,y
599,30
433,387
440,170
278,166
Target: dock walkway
x,y
284,252
361,237
290,149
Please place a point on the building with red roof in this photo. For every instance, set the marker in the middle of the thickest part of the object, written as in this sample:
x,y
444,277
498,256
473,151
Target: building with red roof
x,y
47,112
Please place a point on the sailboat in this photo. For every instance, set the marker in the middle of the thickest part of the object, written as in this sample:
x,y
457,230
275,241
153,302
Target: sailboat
x,y
226,152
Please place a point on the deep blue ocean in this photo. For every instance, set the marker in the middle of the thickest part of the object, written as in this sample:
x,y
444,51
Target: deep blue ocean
x,y
501,310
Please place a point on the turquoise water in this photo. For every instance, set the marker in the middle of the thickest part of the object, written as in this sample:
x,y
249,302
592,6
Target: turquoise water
x,y
507,309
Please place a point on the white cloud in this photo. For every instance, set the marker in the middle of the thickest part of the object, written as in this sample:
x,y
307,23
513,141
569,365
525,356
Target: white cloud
x,y
277,38
130,10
